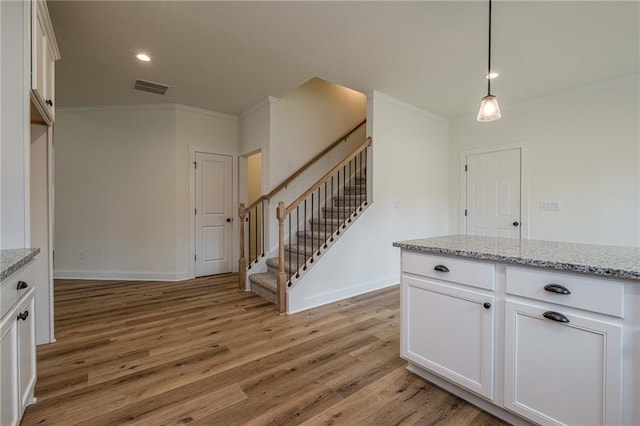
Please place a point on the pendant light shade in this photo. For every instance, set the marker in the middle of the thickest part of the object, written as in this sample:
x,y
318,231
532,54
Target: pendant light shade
x,y
489,109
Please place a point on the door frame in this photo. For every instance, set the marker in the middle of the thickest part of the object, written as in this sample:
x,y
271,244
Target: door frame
x,y
524,184
193,149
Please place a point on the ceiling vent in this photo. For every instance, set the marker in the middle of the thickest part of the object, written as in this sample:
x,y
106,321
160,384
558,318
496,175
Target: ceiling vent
x,y
150,86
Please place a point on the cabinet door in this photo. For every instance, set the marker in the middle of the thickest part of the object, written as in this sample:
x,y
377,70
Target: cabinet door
x,y
42,62
562,372
26,352
9,394
449,331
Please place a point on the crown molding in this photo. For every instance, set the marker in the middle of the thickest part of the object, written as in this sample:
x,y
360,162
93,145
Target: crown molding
x,y
148,107
206,112
562,95
254,108
374,94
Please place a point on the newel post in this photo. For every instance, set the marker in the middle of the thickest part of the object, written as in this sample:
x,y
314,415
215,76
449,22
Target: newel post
x,y
242,262
282,276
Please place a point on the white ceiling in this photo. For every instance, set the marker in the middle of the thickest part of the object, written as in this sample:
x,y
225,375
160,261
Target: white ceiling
x,y
227,56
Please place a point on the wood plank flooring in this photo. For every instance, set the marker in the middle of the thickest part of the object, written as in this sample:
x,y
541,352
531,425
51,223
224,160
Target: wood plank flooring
x,y
200,352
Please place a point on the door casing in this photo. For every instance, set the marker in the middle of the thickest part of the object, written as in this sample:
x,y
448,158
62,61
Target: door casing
x,y
524,185
192,202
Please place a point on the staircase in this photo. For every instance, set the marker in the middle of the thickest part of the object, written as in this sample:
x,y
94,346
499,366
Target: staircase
x,y
314,238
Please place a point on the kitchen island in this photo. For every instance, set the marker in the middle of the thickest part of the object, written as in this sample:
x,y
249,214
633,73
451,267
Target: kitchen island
x,y
531,331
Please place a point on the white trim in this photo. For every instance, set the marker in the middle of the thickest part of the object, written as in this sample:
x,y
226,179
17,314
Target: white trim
x,y
26,120
193,149
319,299
79,108
152,107
43,12
207,112
405,105
121,275
252,109
561,95
524,184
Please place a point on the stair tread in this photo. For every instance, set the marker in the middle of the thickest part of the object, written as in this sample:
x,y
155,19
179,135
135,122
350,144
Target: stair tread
x,y
275,264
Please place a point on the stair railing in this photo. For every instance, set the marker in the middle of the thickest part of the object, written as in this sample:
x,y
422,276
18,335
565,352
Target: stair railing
x,y
333,215
253,216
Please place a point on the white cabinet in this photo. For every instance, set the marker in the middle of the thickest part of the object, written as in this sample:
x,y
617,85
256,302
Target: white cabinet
x,y
44,54
563,347
524,343
560,372
17,345
449,331
26,350
448,321
8,374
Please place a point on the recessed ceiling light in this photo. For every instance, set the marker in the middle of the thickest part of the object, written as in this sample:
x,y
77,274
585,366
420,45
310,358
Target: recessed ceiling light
x,y
492,75
143,57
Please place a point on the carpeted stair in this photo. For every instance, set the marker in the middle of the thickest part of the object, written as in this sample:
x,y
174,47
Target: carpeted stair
x,y
318,231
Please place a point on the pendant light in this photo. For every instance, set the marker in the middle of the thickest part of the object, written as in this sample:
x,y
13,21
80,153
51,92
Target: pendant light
x,y
489,109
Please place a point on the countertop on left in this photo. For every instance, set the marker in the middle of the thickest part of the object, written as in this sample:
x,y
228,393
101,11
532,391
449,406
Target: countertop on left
x,y
13,259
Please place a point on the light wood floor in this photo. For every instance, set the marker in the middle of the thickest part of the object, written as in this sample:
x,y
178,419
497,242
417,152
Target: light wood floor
x,y
201,352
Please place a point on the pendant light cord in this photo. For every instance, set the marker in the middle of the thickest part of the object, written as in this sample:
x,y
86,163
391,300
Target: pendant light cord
x,y
489,60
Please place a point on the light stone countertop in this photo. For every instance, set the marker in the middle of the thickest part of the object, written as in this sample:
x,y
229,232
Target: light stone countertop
x,y
609,261
13,259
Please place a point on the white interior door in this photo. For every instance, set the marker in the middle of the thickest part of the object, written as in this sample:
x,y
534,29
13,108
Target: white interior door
x,y
213,212
493,194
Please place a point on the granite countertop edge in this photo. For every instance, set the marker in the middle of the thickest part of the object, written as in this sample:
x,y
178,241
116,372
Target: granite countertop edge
x,y
541,263
11,260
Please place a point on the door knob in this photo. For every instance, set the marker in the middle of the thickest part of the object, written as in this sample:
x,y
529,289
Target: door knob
x,y
516,223
229,219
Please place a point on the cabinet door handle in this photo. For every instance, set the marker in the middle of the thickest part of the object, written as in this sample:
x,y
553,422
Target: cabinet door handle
x,y
23,316
487,305
441,268
22,285
49,102
557,288
555,316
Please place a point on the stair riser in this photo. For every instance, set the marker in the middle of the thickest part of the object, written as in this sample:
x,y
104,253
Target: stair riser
x,y
263,292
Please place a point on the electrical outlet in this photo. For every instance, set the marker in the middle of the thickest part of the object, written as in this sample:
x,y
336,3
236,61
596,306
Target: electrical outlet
x,y
550,206
81,254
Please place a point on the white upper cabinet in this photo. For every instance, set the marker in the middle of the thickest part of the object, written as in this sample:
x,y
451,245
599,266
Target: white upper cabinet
x,y
44,54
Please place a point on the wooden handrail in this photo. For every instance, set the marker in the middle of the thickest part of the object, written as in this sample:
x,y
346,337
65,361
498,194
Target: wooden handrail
x,y
308,164
326,177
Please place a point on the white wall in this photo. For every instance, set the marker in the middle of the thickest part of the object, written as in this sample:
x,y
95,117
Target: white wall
x,y
14,123
306,120
122,188
581,149
115,193
410,170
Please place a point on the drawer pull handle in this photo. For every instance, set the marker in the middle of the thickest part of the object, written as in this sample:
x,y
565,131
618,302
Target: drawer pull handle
x,y
441,268
555,316
557,288
23,316
22,285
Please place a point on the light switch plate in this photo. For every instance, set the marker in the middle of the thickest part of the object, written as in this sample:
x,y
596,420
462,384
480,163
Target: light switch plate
x,y
550,206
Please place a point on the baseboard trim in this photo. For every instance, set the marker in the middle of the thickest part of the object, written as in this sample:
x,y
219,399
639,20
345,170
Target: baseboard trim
x,y
320,299
120,276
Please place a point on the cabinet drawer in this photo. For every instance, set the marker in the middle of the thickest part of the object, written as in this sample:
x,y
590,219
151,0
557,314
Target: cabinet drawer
x,y
591,294
9,293
474,273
